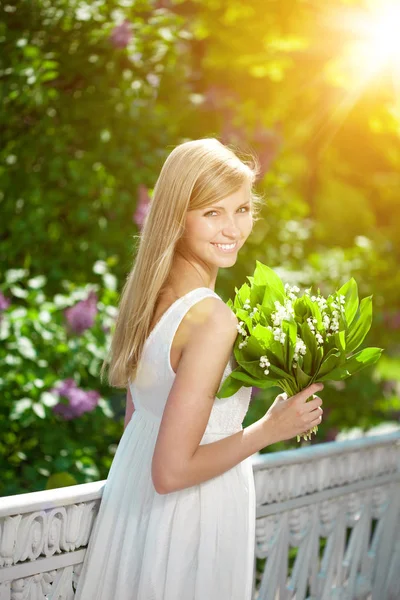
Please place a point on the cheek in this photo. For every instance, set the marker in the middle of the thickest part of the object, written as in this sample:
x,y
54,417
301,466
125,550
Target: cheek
x,y
200,228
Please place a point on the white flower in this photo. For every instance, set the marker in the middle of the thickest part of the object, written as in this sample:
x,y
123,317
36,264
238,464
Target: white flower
x,y
319,338
326,321
282,313
291,290
240,328
300,347
279,335
311,323
334,324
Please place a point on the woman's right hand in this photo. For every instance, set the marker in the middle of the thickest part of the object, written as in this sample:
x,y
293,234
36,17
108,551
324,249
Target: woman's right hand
x,y
289,417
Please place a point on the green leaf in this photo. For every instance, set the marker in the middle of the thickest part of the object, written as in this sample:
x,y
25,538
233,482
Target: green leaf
x,y
353,364
336,375
265,276
266,382
290,328
242,294
237,379
360,326
350,291
302,309
362,359
308,337
267,281
340,340
315,312
284,375
302,378
243,315
260,342
330,362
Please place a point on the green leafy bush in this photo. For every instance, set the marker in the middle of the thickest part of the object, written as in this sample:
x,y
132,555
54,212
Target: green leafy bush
x,y
55,417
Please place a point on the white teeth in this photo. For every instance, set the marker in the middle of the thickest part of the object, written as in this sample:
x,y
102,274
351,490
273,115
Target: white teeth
x,y
226,246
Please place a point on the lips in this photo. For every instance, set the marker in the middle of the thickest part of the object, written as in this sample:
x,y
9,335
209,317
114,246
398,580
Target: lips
x,y
226,250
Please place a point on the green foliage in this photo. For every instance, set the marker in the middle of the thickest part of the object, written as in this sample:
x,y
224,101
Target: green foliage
x,y
38,351
88,118
86,122
301,340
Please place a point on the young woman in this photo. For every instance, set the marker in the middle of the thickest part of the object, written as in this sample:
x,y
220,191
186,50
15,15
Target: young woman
x,y
177,516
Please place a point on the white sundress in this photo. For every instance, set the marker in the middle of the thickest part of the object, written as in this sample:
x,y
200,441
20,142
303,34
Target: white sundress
x,y
197,543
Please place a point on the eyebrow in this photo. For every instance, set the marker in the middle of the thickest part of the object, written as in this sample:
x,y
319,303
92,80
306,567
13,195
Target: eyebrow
x,y
222,208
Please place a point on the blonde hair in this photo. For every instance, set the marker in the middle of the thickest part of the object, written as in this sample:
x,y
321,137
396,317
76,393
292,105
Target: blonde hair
x,y
196,174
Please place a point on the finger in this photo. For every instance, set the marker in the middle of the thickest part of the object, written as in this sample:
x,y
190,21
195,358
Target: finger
x,y
315,414
309,391
312,405
316,421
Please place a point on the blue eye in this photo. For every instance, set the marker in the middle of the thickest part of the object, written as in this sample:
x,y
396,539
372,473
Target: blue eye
x,y
246,209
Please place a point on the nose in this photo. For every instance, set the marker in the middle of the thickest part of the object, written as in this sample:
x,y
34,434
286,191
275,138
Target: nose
x,y
231,229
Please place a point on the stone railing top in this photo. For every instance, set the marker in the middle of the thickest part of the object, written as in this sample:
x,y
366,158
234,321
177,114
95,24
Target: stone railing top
x,y
315,473
33,501
276,461
326,449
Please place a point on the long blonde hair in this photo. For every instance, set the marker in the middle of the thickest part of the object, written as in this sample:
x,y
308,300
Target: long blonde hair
x,y
195,175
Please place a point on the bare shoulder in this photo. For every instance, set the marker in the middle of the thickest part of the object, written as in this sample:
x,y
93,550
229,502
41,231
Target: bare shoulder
x,y
213,314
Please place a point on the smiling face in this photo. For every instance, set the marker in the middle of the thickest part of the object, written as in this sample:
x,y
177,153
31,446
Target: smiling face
x,y
210,232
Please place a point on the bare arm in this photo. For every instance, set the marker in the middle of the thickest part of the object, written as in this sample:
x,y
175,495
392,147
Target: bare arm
x,y
279,423
129,410
179,460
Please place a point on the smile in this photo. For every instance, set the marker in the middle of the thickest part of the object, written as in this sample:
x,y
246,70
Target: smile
x,y
226,247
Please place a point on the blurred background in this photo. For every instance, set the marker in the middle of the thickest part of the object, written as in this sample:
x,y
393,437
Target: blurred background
x,y
94,96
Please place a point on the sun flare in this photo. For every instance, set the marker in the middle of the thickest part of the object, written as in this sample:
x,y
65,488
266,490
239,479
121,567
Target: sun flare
x,y
379,47
367,58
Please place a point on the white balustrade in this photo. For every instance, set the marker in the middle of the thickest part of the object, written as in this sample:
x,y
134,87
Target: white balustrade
x,y
327,527
333,508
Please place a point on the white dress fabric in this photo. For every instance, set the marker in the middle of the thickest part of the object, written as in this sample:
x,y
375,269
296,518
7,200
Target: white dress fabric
x,y
194,544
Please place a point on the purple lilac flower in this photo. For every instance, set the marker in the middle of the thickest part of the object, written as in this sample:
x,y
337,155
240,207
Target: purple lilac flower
x,y
4,302
81,316
143,205
80,401
121,34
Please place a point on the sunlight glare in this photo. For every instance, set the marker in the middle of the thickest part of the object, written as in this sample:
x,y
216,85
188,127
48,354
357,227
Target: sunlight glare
x,y
385,39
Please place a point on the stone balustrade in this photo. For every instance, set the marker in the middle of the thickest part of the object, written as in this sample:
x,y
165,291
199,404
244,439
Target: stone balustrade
x,y
327,527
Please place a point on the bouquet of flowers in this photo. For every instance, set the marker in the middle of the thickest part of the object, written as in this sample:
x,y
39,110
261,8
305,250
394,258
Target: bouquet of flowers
x,y
291,341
